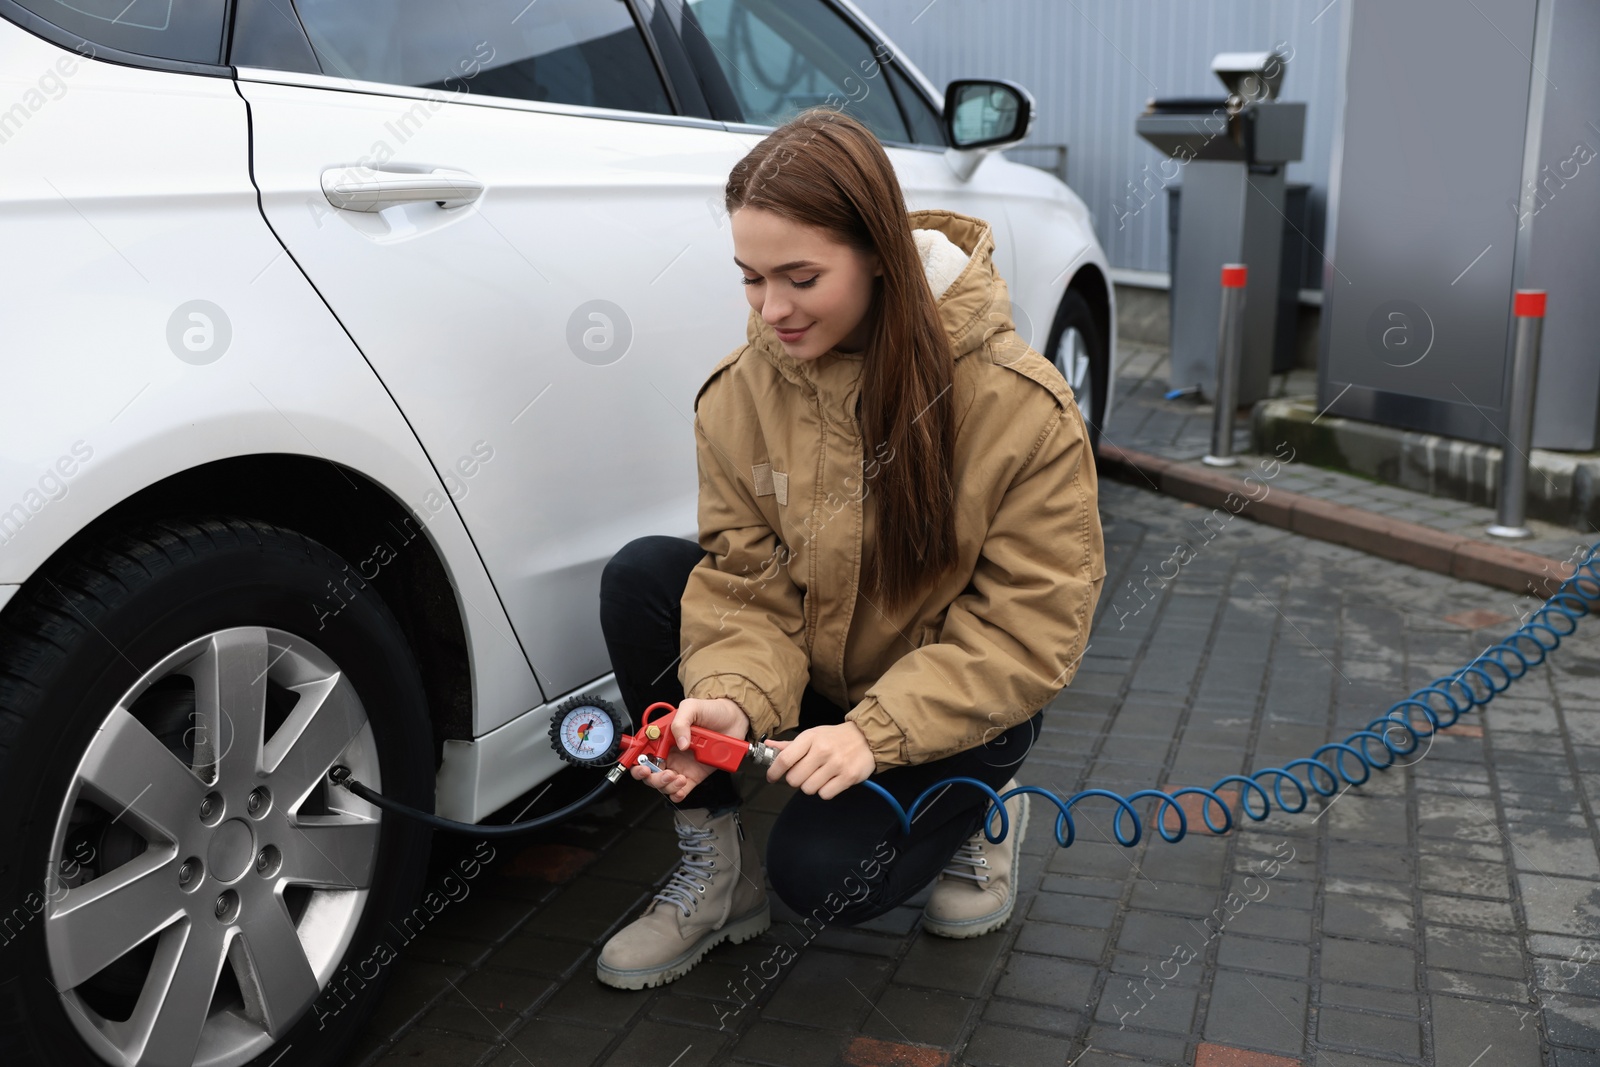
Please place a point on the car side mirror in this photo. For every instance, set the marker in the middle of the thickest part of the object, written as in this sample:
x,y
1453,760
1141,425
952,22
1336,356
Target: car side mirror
x,y
980,113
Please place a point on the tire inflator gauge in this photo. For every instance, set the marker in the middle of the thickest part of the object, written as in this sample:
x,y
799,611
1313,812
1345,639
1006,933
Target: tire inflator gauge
x,y
588,732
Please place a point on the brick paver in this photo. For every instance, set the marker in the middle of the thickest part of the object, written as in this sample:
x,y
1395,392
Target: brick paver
x,y
1445,913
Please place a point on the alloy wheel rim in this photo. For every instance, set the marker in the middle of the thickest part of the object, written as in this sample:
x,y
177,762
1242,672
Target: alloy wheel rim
x,y
203,882
1072,359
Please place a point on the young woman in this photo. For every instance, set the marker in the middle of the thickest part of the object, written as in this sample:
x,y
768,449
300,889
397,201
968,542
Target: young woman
x,y
899,554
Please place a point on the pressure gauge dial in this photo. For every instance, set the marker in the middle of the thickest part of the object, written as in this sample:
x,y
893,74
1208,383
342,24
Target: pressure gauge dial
x,y
587,731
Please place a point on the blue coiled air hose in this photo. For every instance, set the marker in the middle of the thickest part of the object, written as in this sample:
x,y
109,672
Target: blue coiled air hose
x,y
1476,684
1490,673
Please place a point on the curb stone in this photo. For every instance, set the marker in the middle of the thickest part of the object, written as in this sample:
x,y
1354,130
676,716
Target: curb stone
x,y
1405,542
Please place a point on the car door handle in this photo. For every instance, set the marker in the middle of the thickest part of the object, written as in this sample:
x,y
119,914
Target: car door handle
x,y
373,189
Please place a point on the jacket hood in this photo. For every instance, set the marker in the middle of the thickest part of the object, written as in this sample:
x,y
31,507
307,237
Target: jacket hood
x,y
975,305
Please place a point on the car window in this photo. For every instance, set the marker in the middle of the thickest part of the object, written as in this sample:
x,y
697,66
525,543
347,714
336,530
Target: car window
x,y
780,57
187,30
926,125
557,51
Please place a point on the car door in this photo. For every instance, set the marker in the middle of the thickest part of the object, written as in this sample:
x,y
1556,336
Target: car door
x,y
500,205
773,58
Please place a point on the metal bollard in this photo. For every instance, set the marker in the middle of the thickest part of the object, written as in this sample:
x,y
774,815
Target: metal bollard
x,y
1511,503
1230,350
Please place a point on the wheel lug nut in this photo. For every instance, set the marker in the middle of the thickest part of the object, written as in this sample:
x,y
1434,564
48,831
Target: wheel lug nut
x,y
190,872
211,808
260,800
268,860
228,906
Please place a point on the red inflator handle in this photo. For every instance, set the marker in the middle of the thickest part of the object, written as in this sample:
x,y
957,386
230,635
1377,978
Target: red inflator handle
x,y
707,746
717,750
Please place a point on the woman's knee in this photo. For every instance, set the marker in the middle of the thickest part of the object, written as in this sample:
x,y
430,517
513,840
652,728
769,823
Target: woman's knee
x,y
1007,751
824,879
646,564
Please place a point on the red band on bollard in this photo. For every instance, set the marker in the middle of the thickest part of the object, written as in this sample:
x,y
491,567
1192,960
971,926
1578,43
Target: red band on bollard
x,y
1529,304
1233,277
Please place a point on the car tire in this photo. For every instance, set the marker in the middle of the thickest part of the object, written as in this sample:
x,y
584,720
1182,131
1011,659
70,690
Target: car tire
x,y
132,659
1078,348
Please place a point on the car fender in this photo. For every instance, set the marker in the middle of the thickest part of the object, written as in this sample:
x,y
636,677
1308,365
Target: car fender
x,y
1055,242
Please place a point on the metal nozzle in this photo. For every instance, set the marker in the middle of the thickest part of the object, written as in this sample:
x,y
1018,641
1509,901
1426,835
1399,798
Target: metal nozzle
x,y
762,755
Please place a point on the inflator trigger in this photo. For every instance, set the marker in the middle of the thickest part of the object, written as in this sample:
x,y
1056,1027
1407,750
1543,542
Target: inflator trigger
x,y
655,741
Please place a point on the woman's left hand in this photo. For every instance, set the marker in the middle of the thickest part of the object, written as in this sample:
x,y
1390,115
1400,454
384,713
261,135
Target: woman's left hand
x,y
824,760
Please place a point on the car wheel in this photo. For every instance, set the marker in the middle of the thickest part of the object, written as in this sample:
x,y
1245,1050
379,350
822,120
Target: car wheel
x,y
1078,349
180,884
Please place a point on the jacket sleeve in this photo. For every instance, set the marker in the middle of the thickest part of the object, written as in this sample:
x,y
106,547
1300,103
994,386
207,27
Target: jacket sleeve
x,y
742,633
1014,636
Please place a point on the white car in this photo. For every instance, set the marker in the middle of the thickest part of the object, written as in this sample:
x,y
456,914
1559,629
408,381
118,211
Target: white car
x,y
344,342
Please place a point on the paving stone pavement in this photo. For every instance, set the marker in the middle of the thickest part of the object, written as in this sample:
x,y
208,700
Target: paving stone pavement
x,y
1445,913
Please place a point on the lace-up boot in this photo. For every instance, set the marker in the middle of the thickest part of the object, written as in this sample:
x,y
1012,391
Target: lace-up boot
x,y
976,892
717,893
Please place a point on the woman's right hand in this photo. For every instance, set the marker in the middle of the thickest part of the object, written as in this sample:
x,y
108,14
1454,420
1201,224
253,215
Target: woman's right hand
x,y
684,772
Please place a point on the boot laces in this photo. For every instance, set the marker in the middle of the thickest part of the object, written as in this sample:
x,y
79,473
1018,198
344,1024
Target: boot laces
x,y
970,855
688,883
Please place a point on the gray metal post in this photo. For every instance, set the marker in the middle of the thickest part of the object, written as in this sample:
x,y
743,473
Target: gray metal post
x,y
1511,498
1230,350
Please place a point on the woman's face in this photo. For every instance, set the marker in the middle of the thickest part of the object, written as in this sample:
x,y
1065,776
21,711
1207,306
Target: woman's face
x,y
814,291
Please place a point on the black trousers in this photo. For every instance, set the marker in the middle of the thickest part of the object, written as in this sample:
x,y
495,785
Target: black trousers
x,y
843,860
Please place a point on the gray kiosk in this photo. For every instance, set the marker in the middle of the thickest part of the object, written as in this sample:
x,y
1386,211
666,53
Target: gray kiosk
x,y
1467,165
1233,151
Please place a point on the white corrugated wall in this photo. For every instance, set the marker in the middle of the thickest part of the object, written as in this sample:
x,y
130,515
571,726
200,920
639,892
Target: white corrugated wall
x,y
1092,64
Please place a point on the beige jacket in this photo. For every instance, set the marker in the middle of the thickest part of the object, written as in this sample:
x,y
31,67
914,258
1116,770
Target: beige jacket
x,y
786,511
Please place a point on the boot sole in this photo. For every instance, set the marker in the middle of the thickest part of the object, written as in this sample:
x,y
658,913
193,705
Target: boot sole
x,y
736,931
986,924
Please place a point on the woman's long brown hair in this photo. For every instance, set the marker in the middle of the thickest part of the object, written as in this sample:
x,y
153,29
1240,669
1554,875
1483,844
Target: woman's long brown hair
x,y
825,169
